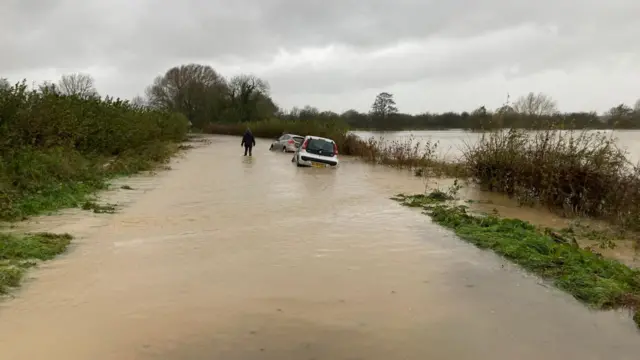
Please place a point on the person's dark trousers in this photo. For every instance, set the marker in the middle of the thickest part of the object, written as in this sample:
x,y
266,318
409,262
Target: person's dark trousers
x,y
247,149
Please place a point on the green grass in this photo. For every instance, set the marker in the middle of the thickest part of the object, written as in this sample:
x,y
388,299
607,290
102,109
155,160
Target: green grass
x,y
58,185
19,252
598,282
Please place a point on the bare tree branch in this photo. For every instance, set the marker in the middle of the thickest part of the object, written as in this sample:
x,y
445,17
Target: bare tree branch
x,y
384,105
4,84
193,90
139,101
535,105
248,97
78,84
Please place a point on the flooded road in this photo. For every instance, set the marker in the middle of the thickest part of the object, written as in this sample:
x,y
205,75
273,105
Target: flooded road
x,y
226,257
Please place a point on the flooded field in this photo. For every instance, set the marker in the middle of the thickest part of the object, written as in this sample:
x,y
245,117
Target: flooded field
x,y
226,257
452,142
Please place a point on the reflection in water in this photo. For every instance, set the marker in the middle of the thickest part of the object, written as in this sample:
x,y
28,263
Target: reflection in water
x,y
227,259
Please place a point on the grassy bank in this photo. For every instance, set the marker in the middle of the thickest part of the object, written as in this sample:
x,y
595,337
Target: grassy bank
x,y
590,278
55,150
20,252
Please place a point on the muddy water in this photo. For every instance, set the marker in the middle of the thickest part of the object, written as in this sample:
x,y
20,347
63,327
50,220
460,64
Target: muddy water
x,y
231,258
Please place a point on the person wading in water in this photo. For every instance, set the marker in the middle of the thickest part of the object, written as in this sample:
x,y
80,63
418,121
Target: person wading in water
x,y
248,141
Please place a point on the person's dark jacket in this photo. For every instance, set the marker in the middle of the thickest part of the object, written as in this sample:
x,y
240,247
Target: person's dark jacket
x,y
248,140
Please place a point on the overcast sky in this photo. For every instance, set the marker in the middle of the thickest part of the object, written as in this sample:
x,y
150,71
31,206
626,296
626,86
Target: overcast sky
x,y
433,55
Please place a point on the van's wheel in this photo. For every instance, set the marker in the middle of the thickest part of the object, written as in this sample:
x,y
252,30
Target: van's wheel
x,y
271,147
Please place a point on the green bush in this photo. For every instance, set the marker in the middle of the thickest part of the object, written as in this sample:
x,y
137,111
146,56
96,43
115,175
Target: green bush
x,y
55,149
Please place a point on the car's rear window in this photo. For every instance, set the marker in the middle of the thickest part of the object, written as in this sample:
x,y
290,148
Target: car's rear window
x,y
321,147
298,139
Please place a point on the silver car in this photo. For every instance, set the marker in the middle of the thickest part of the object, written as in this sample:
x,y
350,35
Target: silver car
x,y
287,143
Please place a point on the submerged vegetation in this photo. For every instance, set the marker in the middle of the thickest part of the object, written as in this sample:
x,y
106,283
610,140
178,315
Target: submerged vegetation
x,y
574,173
20,252
599,282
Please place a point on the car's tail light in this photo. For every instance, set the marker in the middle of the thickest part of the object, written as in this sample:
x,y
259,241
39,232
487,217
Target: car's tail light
x,y
304,144
291,141
335,148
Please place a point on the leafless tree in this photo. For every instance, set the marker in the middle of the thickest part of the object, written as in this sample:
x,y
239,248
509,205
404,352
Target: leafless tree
x,y
243,87
194,90
48,87
505,110
181,84
620,111
636,106
248,98
620,116
384,105
78,84
4,84
480,111
535,104
139,101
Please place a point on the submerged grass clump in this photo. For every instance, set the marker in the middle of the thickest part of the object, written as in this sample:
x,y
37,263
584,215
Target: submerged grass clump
x,y
599,282
99,208
420,157
19,252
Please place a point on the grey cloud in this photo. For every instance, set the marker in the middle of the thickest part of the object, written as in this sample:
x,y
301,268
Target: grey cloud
x,y
142,38
201,28
530,54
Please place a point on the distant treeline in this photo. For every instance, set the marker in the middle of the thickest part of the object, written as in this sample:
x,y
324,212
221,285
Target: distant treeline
x,y
620,117
206,98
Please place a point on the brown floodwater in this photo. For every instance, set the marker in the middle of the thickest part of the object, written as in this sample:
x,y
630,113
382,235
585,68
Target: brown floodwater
x,y
226,257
